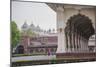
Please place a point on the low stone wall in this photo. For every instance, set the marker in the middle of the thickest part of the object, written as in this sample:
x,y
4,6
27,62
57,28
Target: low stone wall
x,y
76,55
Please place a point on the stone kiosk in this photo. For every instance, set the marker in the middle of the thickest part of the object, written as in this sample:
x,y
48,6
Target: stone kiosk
x,y
75,25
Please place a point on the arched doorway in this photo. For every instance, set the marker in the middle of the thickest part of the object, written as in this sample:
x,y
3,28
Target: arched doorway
x,y
77,31
20,49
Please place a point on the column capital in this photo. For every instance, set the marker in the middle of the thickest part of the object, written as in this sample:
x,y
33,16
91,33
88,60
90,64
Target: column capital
x,y
60,8
60,30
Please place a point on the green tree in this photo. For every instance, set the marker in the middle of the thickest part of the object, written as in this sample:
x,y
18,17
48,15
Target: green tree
x,y
15,34
30,33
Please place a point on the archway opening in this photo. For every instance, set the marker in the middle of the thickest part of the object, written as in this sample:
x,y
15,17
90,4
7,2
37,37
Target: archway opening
x,y
20,49
78,31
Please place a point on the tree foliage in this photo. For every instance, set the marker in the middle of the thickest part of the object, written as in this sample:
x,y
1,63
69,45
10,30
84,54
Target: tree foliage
x,y
28,32
15,34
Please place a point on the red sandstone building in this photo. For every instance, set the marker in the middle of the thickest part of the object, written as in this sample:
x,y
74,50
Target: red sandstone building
x,y
41,44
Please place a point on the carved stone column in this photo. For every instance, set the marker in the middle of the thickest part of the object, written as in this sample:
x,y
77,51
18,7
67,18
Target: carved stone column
x,y
80,42
69,49
73,42
61,33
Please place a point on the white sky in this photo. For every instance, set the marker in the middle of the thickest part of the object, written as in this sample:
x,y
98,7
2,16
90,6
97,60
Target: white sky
x,y
32,12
